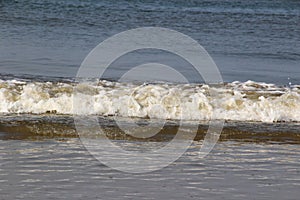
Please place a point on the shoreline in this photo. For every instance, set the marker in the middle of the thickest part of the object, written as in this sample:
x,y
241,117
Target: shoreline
x,y
23,127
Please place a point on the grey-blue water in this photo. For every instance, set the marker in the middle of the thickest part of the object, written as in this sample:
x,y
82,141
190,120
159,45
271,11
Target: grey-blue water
x,y
64,170
255,40
249,40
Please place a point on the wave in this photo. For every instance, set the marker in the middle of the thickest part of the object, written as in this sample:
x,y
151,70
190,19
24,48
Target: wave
x,y
239,101
37,127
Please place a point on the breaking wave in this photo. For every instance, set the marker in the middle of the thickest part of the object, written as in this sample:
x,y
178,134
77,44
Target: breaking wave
x,y
247,101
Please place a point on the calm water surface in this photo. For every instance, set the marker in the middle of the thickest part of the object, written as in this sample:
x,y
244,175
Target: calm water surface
x,y
257,40
53,169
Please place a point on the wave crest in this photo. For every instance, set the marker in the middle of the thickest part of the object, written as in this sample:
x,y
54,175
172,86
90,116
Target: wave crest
x,y
248,101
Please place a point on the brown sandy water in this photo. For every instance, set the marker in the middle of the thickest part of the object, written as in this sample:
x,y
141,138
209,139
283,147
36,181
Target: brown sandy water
x,y
41,157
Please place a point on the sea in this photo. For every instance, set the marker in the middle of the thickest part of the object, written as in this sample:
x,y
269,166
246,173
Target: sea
x,y
45,151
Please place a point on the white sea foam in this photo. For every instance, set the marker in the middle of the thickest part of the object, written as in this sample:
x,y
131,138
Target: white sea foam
x,y
248,101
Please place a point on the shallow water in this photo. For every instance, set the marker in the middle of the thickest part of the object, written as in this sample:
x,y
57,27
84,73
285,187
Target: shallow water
x,y
63,169
41,157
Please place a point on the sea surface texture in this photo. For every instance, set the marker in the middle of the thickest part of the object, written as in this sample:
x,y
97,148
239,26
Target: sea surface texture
x,y
256,46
